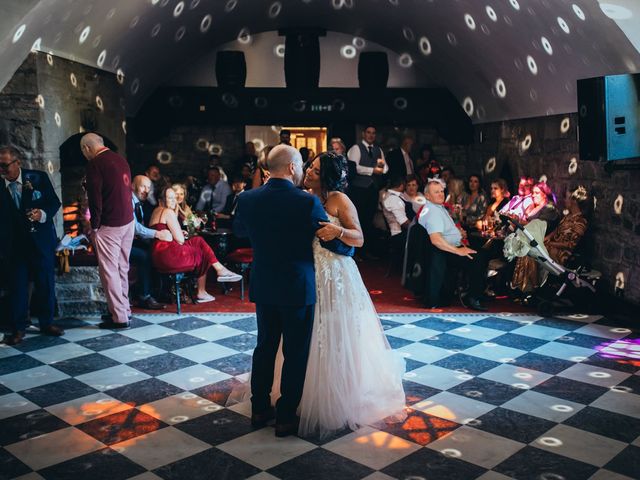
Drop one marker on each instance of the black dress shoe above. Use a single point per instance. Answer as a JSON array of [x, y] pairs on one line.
[[13, 339], [260, 420], [52, 330], [151, 303], [472, 303], [107, 317], [286, 429], [114, 325]]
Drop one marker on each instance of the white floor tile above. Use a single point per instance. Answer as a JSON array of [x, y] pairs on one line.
[[205, 352], [543, 406], [372, 448], [7, 351], [87, 408], [493, 476], [603, 474], [579, 445], [476, 446], [540, 331], [179, 408], [476, 332], [146, 476], [262, 476], [437, 377], [518, 377], [112, 377], [495, 352], [594, 375], [619, 402], [604, 331], [424, 353], [453, 407], [59, 353], [32, 377], [564, 351], [132, 352], [219, 318], [378, 476], [411, 332], [13, 404], [148, 332], [193, 377], [85, 333], [215, 332]]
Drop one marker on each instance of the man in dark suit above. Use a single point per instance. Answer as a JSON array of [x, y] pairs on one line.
[[28, 204], [400, 162], [281, 220]]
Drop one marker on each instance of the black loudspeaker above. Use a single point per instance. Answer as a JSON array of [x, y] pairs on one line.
[[231, 69], [609, 117], [302, 59], [373, 70]]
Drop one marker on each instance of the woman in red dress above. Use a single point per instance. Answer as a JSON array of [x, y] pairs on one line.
[[180, 255]]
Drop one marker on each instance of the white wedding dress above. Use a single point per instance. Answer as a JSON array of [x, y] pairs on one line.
[[354, 377]]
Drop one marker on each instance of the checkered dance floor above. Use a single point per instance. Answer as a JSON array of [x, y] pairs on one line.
[[489, 397]]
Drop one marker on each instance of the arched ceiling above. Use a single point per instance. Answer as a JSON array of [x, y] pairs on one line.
[[501, 58]]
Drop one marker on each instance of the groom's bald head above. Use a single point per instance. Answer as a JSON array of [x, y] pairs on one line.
[[284, 161]]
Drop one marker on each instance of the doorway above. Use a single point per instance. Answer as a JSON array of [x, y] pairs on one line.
[[313, 138]]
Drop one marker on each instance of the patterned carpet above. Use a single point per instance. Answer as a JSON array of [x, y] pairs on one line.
[[489, 397]]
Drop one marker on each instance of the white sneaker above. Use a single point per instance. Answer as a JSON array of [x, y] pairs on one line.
[[229, 277], [206, 298]]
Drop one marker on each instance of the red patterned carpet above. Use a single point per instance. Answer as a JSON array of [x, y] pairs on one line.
[[387, 294]]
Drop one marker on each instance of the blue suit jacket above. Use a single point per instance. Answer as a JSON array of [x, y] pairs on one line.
[[16, 239], [280, 221]]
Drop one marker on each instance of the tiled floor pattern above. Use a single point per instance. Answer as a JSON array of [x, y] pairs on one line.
[[489, 397]]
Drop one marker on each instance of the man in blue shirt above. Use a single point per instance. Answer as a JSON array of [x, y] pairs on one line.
[[214, 194], [449, 254]]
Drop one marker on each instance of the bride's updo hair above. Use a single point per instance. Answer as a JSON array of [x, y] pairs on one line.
[[333, 171]]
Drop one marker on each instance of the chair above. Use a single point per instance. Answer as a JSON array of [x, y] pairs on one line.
[[176, 279], [242, 258]]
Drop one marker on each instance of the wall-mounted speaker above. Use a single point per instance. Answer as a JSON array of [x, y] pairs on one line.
[[231, 69], [373, 70], [302, 57], [609, 117]]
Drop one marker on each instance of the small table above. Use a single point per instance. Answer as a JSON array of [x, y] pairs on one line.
[[218, 240]]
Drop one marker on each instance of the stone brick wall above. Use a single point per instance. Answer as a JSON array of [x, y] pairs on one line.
[[549, 147]]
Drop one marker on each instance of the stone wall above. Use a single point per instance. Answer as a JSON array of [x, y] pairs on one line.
[[50, 99], [548, 148]]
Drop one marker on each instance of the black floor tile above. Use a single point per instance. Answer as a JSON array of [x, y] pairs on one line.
[[486, 391], [621, 364], [412, 364], [571, 390], [534, 464], [608, 424], [106, 342], [450, 342], [248, 324], [542, 363], [561, 323], [85, 364], [10, 466], [145, 391], [121, 426], [186, 324], [633, 382], [136, 322], [58, 392], [232, 365], [429, 464], [420, 427], [498, 324], [4, 390], [580, 340], [416, 392], [514, 425], [17, 363], [397, 342], [161, 364], [218, 392], [627, 462], [207, 465], [521, 342], [36, 342], [105, 464], [439, 324], [241, 343], [389, 324], [68, 323], [175, 342], [320, 464], [467, 364], [28, 425], [217, 427]]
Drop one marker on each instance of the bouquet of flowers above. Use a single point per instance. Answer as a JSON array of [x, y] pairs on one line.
[[194, 223]]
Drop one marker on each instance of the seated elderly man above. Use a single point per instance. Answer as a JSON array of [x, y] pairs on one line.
[[449, 254]]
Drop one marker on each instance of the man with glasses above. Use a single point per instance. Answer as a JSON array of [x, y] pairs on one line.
[[28, 204]]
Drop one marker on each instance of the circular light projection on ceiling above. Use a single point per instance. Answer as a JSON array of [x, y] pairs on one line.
[[36, 45], [194, 4], [164, 3], [120, 76], [50, 59], [299, 106], [491, 13], [617, 205], [348, 51], [338, 105], [526, 143], [543, 179], [230, 5], [515, 4], [99, 103], [19, 32], [40, 101], [573, 166], [408, 34], [202, 144], [180, 33], [275, 9], [616, 12], [96, 41], [425, 46], [124, 126], [112, 12], [563, 25], [501, 88], [395, 3], [278, 50], [179, 8], [84, 35], [467, 105], [244, 36], [340, 4], [155, 30], [215, 149], [205, 23], [134, 22], [135, 86], [533, 66], [471, 23], [579, 13], [164, 157], [619, 285], [405, 60], [565, 124], [491, 165], [451, 38], [400, 103], [101, 58], [261, 102], [546, 45], [73, 79], [359, 42], [57, 119], [230, 100]]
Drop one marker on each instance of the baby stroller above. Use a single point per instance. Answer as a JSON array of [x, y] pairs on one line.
[[561, 289]]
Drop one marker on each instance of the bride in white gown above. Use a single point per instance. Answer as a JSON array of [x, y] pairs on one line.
[[353, 378]]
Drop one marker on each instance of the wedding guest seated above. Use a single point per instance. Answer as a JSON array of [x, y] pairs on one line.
[[449, 254], [214, 194], [412, 193], [261, 175], [543, 206], [519, 204], [398, 213], [184, 255], [560, 243], [225, 218], [246, 172], [183, 210], [453, 199], [474, 203], [499, 198]]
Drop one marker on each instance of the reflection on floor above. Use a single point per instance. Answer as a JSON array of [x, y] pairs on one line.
[[490, 397]]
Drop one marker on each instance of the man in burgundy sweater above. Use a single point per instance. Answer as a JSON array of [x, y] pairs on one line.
[[112, 224]]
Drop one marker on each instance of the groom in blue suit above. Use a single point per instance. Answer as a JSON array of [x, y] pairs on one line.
[[280, 221], [28, 241]]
